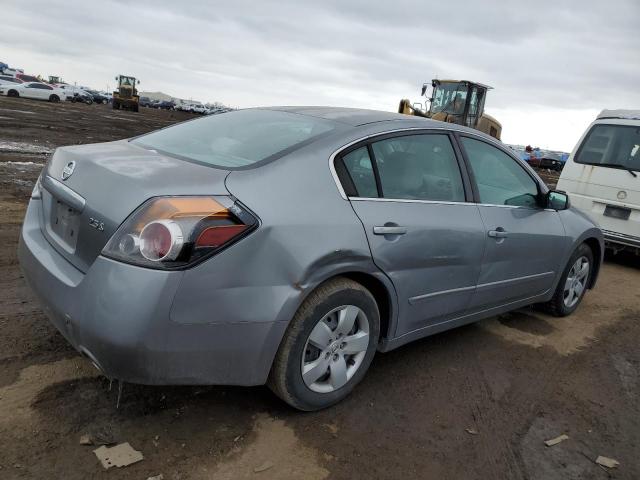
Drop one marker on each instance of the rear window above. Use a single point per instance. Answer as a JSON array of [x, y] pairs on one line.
[[616, 146], [237, 139]]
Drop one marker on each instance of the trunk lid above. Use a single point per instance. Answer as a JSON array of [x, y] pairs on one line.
[[108, 182]]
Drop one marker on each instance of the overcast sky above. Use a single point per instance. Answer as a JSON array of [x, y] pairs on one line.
[[553, 64]]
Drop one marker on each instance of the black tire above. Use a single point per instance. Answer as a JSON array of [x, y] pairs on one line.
[[54, 98], [13, 93], [286, 380], [135, 108], [557, 305], [116, 106]]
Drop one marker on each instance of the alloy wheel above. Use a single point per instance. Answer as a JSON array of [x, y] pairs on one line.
[[335, 349], [576, 282]]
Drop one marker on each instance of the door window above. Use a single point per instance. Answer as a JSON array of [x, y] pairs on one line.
[[358, 164], [419, 167], [500, 180]]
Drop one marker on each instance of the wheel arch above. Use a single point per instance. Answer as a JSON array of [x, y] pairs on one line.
[[594, 244], [380, 288]]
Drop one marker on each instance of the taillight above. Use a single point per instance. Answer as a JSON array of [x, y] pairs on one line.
[[174, 232]]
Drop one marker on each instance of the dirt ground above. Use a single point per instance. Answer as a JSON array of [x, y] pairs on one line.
[[473, 403]]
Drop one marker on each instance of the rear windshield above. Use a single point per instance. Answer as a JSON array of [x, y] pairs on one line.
[[237, 139], [616, 146]]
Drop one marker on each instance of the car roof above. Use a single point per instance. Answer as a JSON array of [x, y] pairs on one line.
[[351, 116], [622, 114]]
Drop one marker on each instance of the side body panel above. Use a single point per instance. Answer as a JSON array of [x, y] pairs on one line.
[[525, 262], [435, 264]]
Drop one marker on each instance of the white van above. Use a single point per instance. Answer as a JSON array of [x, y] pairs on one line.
[[602, 177]]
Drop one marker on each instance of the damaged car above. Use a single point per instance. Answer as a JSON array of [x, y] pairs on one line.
[[287, 246]]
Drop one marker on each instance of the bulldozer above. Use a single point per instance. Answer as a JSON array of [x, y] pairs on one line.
[[126, 96], [456, 101]]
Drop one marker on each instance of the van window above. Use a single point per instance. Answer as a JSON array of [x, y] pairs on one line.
[[616, 146]]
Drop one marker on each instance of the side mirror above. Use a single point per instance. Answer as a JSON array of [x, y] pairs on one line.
[[115, 78], [557, 200]]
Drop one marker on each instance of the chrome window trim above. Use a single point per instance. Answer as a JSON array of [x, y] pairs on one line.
[[408, 200], [338, 151], [446, 129]]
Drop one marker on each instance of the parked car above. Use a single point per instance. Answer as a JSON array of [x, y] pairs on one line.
[[27, 78], [98, 97], [72, 92], [145, 102], [9, 80], [603, 177], [201, 109], [550, 161], [231, 249], [165, 105], [34, 90]]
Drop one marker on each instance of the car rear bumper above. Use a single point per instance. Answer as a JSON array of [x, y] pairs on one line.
[[119, 316], [621, 239]]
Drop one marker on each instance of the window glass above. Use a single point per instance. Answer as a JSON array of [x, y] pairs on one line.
[[237, 139], [419, 167], [358, 164], [615, 146], [500, 180]]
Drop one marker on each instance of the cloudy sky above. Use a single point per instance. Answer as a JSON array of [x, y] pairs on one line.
[[553, 64]]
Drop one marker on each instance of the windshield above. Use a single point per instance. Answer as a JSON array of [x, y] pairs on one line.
[[127, 81], [237, 139], [449, 98], [616, 146]]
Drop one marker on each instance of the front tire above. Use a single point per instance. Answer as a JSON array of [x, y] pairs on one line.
[[328, 346], [54, 98], [573, 284], [13, 93]]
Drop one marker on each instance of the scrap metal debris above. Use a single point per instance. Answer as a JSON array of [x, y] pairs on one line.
[[557, 440], [121, 455], [156, 477], [607, 462], [265, 466], [471, 431]]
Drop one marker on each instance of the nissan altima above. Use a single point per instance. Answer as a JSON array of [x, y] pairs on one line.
[[288, 245]]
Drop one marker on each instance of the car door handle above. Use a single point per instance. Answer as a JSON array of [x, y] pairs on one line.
[[498, 233], [389, 230]]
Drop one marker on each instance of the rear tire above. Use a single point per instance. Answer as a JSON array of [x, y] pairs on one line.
[[332, 339], [13, 93], [573, 284]]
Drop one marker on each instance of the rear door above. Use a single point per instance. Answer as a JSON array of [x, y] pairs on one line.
[[409, 192], [524, 242]]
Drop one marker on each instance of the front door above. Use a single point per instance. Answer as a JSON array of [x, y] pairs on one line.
[[421, 230], [524, 242]]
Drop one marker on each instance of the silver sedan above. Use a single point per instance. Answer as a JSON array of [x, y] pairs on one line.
[[288, 245]]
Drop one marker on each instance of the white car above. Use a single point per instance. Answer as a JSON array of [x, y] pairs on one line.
[[71, 91], [35, 90], [602, 177], [199, 109], [9, 80]]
